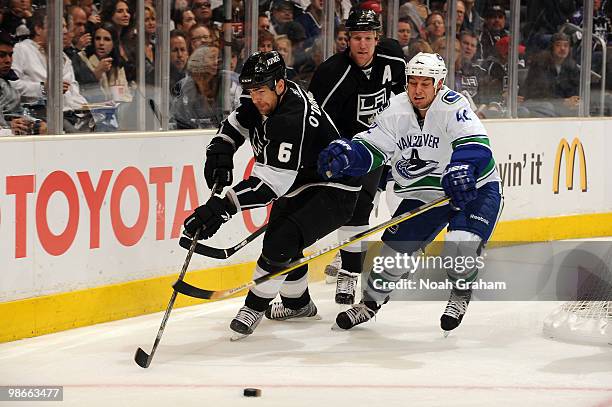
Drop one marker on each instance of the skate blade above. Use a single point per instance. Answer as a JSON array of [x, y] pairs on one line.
[[446, 333], [300, 319], [236, 337], [335, 327]]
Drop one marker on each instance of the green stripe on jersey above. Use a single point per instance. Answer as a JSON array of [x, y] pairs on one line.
[[378, 157], [471, 139], [429, 182], [487, 170]]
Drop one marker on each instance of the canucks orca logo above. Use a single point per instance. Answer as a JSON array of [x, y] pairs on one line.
[[415, 167], [369, 105]]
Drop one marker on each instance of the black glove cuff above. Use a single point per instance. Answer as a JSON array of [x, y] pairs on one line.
[[220, 153]]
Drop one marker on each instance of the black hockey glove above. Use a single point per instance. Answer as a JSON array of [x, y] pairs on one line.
[[210, 217], [459, 183], [219, 164]]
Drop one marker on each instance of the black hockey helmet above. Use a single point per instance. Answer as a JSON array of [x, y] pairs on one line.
[[362, 20], [262, 68]]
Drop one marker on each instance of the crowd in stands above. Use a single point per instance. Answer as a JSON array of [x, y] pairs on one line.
[[100, 71]]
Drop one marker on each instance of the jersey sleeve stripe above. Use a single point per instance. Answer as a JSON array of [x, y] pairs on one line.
[[278, 180], [479, 139], [233, 121], [487, 170], [335, 87], [378, 157]]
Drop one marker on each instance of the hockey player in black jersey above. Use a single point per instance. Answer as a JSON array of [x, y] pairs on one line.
[[351, 87], [286, 129]]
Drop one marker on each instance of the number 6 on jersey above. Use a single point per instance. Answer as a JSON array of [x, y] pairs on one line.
[[284, 152]]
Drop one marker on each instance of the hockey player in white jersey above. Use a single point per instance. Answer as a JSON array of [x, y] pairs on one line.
[[435, 145]]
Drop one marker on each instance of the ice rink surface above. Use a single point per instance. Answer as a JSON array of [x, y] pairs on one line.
[[498, 356]]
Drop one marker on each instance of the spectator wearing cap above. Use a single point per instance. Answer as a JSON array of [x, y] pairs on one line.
[[495, 21], [553, 81], [9, 97], [472, 21]]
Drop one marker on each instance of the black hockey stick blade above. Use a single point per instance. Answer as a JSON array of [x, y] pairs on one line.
[[142, 358], [215, 253], [192, 291], [188, 289]]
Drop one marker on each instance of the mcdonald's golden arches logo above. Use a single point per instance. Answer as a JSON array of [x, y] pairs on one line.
[[570, 151]]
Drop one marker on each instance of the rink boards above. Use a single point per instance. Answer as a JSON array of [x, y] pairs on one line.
[[89, 225]]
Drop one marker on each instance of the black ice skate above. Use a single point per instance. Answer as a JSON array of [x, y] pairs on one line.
[[245, 322], [357, 314], [278, 312], [345, 287], [455, 310]]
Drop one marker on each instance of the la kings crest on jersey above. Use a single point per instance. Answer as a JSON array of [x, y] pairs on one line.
[[418, 156], [369, 104], [352, 96]]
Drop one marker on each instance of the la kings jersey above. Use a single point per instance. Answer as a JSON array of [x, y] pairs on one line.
[[286, 146], [352, 95], [419, 156]]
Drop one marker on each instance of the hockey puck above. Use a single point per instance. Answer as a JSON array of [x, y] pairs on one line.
[[249, 392]]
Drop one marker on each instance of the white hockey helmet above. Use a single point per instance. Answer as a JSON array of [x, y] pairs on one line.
[[428, 65]]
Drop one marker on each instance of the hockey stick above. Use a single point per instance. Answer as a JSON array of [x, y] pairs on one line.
[[215, 253], [192, 291], [141, 357]]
